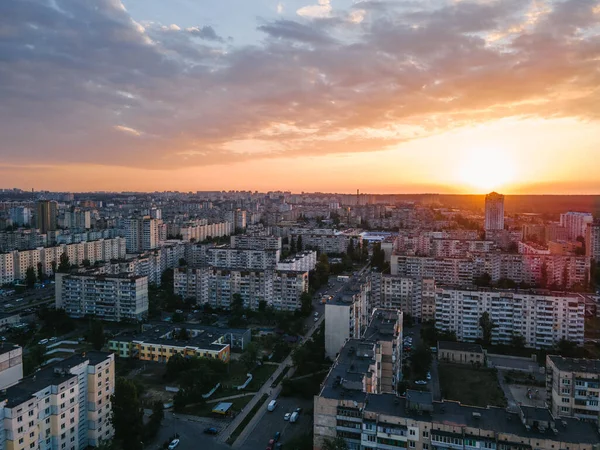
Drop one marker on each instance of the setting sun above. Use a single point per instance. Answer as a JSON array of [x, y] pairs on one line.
[[487, 169]]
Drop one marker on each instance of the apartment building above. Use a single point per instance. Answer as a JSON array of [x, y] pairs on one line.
[[45, 217], [573, 387], [108, 297], [255, 242], [199, 231], [11, 364], [592, 240], [64, 406], [236, 258], [304, 261], [494, 212], [281, 289], [14, 265], [347, 314], [459, 248], [575, 223], [559, 270], [328, 243], [159, 343], [541, 317], [22, 240], [142, 234]]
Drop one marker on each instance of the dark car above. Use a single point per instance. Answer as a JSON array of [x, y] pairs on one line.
[[277, 436], [211, 430], [279, 446]]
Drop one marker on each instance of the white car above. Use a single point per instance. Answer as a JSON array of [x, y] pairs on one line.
[[174, 443], [316, 319], [421, 382], [287, 416]]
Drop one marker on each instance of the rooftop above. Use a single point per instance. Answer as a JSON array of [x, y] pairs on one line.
[[460, 346], [6, 347], [576, 364], [383, 325]]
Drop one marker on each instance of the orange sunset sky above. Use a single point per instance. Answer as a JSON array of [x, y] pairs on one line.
[[441, 96]]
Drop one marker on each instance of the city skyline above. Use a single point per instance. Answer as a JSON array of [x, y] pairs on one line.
[[304, 95]]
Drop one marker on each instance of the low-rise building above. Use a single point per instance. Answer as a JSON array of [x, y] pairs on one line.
[[573, 387], [159, 342], [11, 364], [66, 405], [460, 353], [9, 319]]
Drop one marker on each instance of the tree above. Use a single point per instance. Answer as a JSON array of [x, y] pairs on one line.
[[182, 262], [421, 361], [127, 415], [517, 340], [262, 305], [306, 304], [40, 272], [299, 245], [486, 325], [237, 303], [53, 264], [544, 275], [182, 334], [350, 248], [153, 425], [483, 280], [30, 277], [97, 335], [250, 355], [86, 263], [64, 265], [292, 245], [339, 443]]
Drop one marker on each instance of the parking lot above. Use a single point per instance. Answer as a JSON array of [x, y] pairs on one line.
[[191, 433], [273, 422]]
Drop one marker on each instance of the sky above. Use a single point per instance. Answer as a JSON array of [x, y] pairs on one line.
[[389, 96]]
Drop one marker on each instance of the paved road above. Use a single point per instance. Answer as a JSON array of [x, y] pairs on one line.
[[265, 389], [272, 422], [191, 433], [434, 384]]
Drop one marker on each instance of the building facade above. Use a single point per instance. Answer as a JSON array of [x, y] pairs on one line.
[[575, 223], [46, 215], [64, 406], [107, 297], [494, 212], [592, 240], [541, 318]]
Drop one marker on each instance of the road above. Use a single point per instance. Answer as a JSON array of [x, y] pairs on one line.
[[191, 433], [265, 389], [272, 422]]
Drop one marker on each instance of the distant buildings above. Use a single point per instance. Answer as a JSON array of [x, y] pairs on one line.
[[46, 215], [142, 234], [575, 223], [107, 297], [494, 212], [542, 319], [573, 387], [21, 216], [303, 261], [66, 405]]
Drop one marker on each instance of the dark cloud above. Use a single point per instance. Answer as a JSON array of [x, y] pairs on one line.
[[83, 82]]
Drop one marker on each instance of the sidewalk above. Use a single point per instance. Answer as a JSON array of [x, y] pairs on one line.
[[222, 399]]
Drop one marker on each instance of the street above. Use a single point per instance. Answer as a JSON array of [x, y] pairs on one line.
[[191, 433]]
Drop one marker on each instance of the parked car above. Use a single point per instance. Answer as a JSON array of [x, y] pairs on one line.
[[287, 416], [272, 405], [53, 338], [420, 382], [277, 436], [174, 443], [316, 319], [43, 342], [279, 446], [211, 430], [298, 410], [429, 375]]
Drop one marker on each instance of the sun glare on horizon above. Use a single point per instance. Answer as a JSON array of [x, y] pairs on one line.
[[486, 170]]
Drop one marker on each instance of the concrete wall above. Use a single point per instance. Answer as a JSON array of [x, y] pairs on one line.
[[337, 328]]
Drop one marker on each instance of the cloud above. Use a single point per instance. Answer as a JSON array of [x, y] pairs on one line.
[[83, 82], [280, 8], [321, 9]]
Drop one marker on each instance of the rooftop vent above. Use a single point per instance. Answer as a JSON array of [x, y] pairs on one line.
[[476, 415]]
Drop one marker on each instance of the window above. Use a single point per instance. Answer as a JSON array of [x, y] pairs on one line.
[[62, 436], [62, 395], [20, 430], [20, 419], [412, 432], [30, 413], [47, 400], [21, 441], [72, 390], [48, 420], [411, 444], [32, 434], [32, 445], [566, 381], [62, 427], [425, 434], [564, 400], [425, 446], [31, 423], [62, 416], [63, 445]]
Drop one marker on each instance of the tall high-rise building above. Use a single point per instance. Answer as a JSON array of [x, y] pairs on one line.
[[494, 212], [575, 223], [46, 216], [142, 234], [20, 215], [592, 240]]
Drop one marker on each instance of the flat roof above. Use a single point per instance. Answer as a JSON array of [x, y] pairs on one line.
[[575, 364], [460, 346], [6, 347]]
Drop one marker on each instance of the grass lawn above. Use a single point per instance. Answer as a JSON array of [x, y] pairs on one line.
[[205, 410], [470, 386], [259, 376]]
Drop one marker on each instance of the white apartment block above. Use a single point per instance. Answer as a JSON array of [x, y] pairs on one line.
[[575, 223], [235, 258], [216, 286], [14, 265], [256, 242], [11, 365], [542, 319], [303, 261], [347, 315], [142, 234], [199, 233], [526, 268], [328, 243], [64, 406], [494, 212], [459, 248], [573, 387], [108, 297], [592, 241]]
